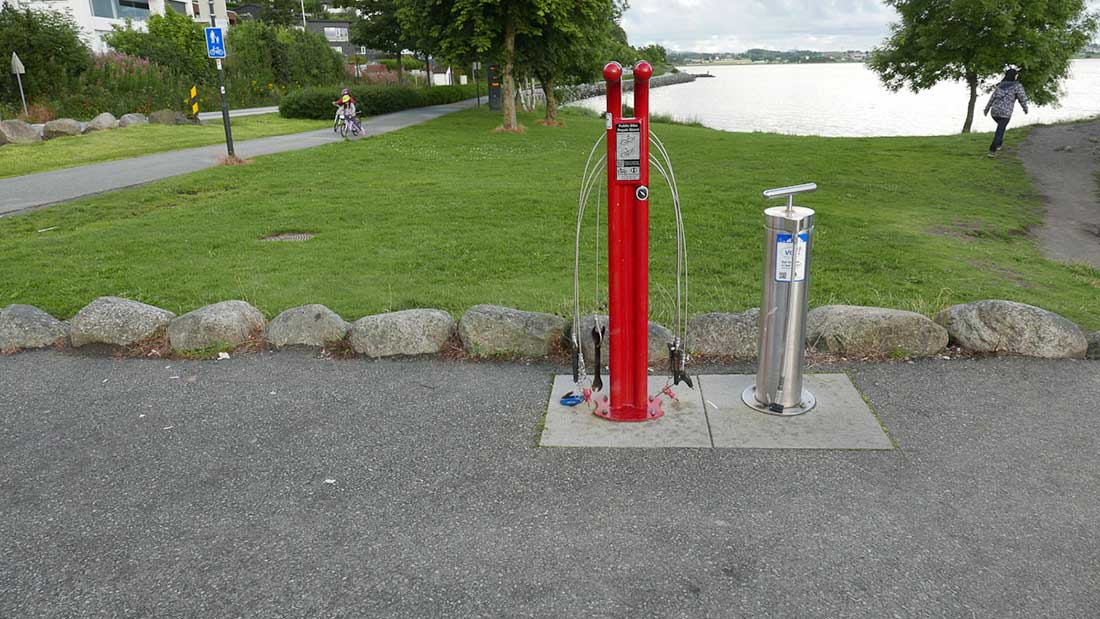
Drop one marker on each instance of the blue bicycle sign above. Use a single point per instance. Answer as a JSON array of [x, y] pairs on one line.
[[215, 43]]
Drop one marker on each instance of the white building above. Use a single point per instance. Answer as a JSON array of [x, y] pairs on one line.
[[96, 17]]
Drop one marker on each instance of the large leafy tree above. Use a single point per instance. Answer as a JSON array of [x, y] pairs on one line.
[[378, 28], [973, 41], [572, 45], [465, 29]]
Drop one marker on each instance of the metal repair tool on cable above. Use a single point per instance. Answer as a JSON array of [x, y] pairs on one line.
[[788, 243]]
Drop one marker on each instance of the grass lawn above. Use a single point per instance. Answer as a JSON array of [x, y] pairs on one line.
[[141, 140], [449, 214]]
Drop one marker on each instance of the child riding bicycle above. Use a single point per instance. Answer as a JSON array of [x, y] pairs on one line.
[[345, 108]]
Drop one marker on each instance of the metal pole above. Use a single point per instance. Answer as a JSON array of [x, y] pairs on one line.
[[221, 87], [19, 79], [628, 247], [303, 14], [477, 86], [639, 262], [225, 112]]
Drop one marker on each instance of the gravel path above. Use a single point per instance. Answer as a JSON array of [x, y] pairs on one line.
[[1064, 163]]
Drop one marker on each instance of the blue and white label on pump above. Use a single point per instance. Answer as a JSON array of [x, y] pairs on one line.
[[215, 43], [785, 260]]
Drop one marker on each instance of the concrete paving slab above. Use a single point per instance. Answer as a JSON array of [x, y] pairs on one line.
[[841, 419], [684, 423]]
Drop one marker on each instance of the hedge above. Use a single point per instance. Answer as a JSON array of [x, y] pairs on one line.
[[316, 103]]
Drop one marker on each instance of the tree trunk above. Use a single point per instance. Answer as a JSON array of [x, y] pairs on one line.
[[508, 96], [551, 100], [972, 82], [400, 67]]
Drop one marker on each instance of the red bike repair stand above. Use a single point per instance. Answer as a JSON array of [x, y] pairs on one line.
[[628, 249]]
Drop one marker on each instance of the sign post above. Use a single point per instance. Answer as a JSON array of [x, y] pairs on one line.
[[215, 48], [477, 84], [628, 247], [18, 69]]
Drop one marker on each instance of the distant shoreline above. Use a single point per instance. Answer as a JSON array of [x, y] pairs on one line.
[[735, 63]]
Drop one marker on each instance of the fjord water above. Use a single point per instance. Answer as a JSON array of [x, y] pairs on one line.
[[845, 100]]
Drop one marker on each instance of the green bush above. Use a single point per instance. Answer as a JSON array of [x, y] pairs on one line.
[[48, 43], [173, 40], [406, 62], [255, 52], [316, 103], [122, 84], [310, 60]]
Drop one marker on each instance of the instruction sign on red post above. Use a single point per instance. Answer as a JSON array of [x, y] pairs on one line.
[[628, 151]]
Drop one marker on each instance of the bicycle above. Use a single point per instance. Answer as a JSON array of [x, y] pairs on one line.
[[343, 124]]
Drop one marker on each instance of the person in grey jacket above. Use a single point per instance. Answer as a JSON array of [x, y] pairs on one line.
[[1002, 103]]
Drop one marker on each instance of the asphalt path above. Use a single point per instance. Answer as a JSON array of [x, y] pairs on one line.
[[285, 485], [1064, 163], [22, 193]]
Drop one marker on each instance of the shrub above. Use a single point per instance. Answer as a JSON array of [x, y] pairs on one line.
[[408, 63], [121, 84], [48, 43], [372, 100], [256, 52], [310, 61], [173, 40]]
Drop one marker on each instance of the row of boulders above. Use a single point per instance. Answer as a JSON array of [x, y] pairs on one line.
[[19, 132], [490, 331], [980, 327]]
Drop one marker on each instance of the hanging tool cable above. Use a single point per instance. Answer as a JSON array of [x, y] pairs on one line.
[[588, 180], [677, 347], [599, 332], [682, 311]]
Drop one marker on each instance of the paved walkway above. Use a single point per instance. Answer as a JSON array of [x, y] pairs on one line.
[[251, 111], [282, 485], [23, 193], [1064, 162]]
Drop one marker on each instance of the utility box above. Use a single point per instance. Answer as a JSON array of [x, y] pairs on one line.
[[495, 97]]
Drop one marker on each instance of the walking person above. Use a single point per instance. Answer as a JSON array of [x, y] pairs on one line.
[[1002, 103]]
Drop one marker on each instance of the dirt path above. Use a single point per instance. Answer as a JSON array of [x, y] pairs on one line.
[[1064, 163]]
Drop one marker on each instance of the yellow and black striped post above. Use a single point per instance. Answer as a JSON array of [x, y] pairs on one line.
[[194, 101]]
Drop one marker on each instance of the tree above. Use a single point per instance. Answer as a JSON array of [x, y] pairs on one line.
[[378, 28], [466, 29], [48, 43], [654, 54], [572, 45], [973, 41], [282, 12]]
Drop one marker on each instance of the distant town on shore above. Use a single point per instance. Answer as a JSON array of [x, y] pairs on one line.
[[796, 56]]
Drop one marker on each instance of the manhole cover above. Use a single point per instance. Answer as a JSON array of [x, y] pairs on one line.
[[289, 236]]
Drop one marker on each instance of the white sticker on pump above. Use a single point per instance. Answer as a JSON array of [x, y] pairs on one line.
[[628, 151], [784, 252]]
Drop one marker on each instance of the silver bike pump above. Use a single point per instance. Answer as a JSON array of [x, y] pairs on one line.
[[788, 242]]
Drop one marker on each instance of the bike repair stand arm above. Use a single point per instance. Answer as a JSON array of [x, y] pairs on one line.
[[628, 246]]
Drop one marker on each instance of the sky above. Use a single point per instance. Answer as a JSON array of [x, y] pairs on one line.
[[737, 25]]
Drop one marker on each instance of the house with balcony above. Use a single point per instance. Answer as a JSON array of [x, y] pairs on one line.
[[338, 34], [96, 17]]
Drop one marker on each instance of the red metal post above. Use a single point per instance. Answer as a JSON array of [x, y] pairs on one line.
[[628, 246]]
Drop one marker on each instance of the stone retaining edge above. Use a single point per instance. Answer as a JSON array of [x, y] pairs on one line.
[[8, 328]]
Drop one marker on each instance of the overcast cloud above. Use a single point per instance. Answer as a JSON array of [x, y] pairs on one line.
[[737, 25]]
